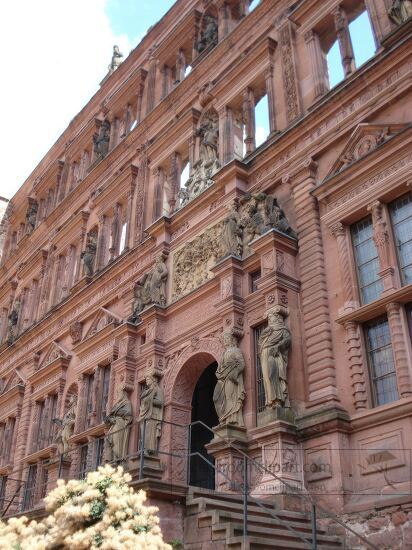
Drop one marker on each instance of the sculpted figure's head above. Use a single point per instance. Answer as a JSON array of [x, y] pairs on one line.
[[229, 339], [276, 315]]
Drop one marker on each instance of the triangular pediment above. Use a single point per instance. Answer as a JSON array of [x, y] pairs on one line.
[[13, 380], [54, 351], [364, 139], [102, 318]]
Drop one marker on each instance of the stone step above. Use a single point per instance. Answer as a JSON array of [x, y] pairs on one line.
[[257, 543], [202, 504], [227, 531], [213, 517]]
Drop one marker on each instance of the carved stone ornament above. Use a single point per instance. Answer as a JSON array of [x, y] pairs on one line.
[[208, 162], [117, 59], [247, 219], [118, 422], [151, 412], [274, 344], [150, 289], [400, 11], [76, 332], [229, 392]]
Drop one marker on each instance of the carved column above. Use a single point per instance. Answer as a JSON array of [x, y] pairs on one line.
[[249, 119], [318, 64], [158, 176], [348, 284], [45, 286], [151, 85], [140, 198], [129, 209], [400, 353], [101, 242], [388, 270], [226, 135], [344, 39], [356, 365], [115, 232], [79, 424], [270, 90], [314, 294], [290, 81], [180, 66], [23, 436]]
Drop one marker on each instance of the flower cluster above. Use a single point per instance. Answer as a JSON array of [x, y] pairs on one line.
[[99, 513]]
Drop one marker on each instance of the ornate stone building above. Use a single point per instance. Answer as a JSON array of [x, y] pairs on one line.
[[163, 275]]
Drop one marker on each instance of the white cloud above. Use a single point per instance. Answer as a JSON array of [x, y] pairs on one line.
[[54, 53]]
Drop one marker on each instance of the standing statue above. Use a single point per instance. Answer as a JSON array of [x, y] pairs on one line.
[[229, 392], [66, 426], [151, 412], [400, 11], [209, 134], [31, 216], [13, 319], [101, 140], [116, 59], [157, 281], [209, 34], [232, 233], [118, 422], [89, 254], [274, 344]]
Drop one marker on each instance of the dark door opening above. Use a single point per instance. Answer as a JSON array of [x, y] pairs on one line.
[[203, 409]]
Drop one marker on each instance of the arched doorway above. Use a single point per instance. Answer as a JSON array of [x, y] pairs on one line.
[[203, 410]]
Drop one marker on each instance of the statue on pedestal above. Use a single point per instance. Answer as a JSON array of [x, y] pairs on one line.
[[101, 140], [229, 392], [31, 216], [118, 422], [151, 413], [274, 344], [150, 289], [89, 254], [400, 11], [117, 59], [13, 319], [232, 233], [208, 35], [66, 426]]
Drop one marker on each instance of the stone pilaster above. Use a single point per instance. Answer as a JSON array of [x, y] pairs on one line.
[[378, 15], [315, 306], [270, 90], [290, 81], [339, 231], [356, 365], [344, 39], [249, 119], [318, 64], [151, 85], [400, 353]]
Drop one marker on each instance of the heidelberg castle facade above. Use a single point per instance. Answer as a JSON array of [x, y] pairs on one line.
[[117, 268]]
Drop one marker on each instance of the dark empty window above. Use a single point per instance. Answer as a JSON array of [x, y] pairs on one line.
[[381, 361], [84, 452], [401, 215], [367, 260], [28, 496]]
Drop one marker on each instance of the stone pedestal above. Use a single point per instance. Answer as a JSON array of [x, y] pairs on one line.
[[152, 467], [281, 456], [229, 462]]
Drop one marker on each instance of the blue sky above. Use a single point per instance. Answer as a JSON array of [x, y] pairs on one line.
[[55, 68]]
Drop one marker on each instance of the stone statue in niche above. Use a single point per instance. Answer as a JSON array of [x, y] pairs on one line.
[[12, 321], [400, 11], [232, 232], [151, 413], [31, 216], [89, 254], [101, 140], [150, 289], [274, 344], [208, 35], [117, 59], [66, 426], [229, 392], [208, 163], [118, 422]]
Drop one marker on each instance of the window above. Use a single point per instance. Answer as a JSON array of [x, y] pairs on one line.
[[381, 361], [97, 394], [44, 479], [254, 4], [367, 261], [104, 395], [401, 215], [84, 451], [45, 426], [260, 390], [29, 490], [123, 238], [99, 448], [89, 399], [254, 278], [262, 120]]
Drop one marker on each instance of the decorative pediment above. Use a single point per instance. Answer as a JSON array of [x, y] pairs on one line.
[[13, 380], [53, 352], [364, 139], [102, 319]]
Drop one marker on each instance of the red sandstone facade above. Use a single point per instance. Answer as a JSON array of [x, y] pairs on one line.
[[339, 163]]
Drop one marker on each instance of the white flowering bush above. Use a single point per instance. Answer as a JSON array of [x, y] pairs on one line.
[[99, 513]]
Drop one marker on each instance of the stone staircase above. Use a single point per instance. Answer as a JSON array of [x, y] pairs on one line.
[[215, 521]]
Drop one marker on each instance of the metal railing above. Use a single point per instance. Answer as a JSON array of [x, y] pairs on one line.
[[22, 493]]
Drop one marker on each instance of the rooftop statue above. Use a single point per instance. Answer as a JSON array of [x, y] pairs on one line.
[[400, 11], [117, 59]]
